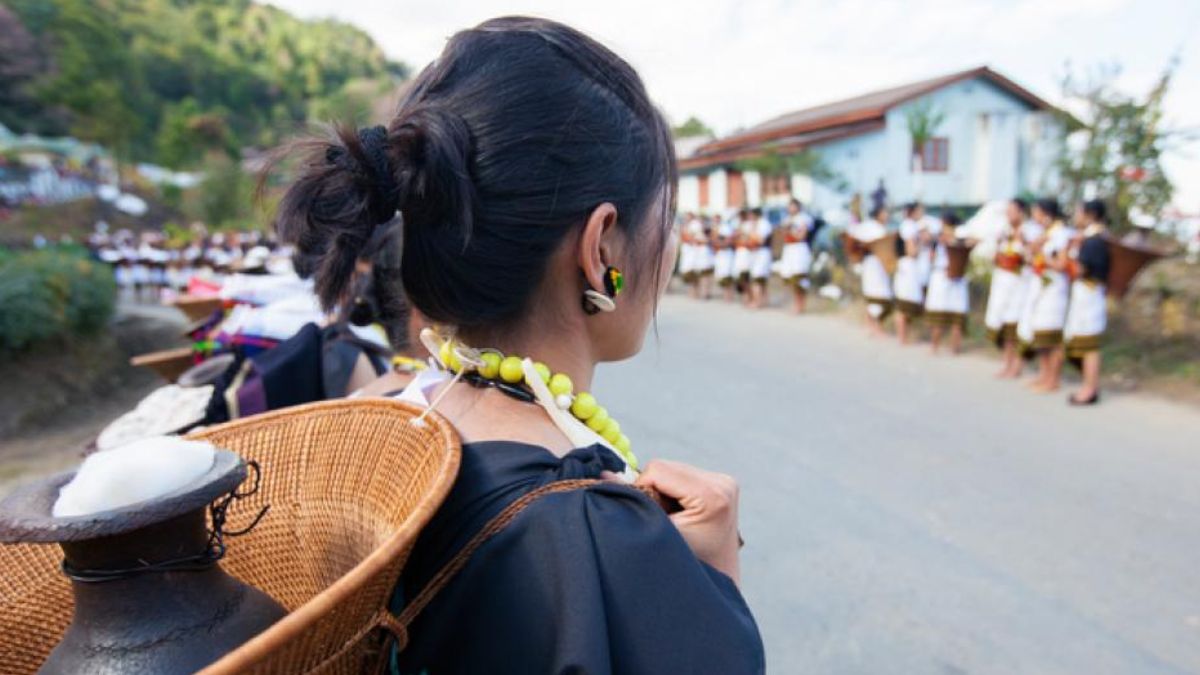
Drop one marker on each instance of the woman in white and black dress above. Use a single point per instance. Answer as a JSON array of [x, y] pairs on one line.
[[723, 237], [909, 282], [876, 284], [1041, 327], [947, 300], [1087, 316], [795, 260], [535, 203], [1010, 285], [758, 240]]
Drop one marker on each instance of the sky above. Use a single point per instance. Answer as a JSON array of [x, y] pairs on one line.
[[734, 63]]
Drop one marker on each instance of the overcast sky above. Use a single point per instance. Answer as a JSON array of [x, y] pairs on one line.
[[733, 63]]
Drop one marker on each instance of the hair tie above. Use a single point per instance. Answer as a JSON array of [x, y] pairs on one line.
[[384, 198]]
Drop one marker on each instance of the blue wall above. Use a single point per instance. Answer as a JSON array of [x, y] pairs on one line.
[[1014, 153]]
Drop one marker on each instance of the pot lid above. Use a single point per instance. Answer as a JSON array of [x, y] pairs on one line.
[[25, 515]]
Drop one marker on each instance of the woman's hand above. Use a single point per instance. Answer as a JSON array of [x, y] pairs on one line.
[[708, 519]]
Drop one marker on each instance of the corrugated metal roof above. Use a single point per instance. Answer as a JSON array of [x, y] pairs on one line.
[[853, 115]]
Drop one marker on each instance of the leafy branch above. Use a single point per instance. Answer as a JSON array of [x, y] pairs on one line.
[[806, 162], [922, 120]]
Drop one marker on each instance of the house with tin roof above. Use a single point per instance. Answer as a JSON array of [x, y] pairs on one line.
[[993, 139]]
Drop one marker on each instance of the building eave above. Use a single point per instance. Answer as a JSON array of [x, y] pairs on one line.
[[871, 112], [783, 146]]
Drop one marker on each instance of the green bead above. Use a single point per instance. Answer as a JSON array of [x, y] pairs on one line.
[[543, 370], [584, 406], [448, 357], [612, 431], [511, 370], [622, 444], [598, 420], [491, 365], [561, 384]]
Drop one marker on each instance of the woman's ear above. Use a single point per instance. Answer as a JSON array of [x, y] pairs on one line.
[[595, 249]]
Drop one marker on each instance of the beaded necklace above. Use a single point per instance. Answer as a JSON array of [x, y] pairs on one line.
[[491, 367]]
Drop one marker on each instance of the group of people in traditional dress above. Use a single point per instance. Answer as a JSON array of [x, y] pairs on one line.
[[1047, 297], [736, 254], [147, 265]]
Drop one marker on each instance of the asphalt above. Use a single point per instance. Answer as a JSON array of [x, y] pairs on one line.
[[905, 513]]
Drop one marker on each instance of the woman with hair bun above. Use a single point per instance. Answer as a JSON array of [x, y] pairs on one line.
[[531, 180]]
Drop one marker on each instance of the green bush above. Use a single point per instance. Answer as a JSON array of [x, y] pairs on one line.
[[52, 294]]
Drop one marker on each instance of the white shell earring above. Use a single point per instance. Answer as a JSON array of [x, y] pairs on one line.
[[599, 300]]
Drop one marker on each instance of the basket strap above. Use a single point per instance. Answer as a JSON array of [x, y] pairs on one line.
[[399, 625]]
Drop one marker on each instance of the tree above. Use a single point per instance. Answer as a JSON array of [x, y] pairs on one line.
[[922, 120], [1114, 145], [226, 194], [692, 127], [20, 64], [807, 162]]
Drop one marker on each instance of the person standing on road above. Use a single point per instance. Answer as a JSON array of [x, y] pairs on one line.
[[532, 183], [796, 258], [702, 262], [724, 235], [909, 286], [948, 300], [1087, 315], [1041, 328], [758, 237], [1009, 286], [876, 284], [743, 253]]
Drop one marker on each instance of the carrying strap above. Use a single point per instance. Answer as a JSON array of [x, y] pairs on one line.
[[398, 626]]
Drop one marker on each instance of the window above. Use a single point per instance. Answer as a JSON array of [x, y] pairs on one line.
[[935, 156]]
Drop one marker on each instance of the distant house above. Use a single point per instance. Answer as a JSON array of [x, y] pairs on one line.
[[996, 139]]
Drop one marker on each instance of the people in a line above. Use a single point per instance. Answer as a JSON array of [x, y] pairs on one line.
[[561, 262], [909, 284], [947, 300], [876, 284], [796, 258], [1046, 297], [1041, 326], [1087, 315]]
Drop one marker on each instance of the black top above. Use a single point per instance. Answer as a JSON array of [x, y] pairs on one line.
[[596, 580], [1094, 258]]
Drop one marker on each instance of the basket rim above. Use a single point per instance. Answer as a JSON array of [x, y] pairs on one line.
[[295, 622]]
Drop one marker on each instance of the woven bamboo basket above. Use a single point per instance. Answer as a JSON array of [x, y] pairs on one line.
[[855, 249], [168, 364], [350, 484], [1126, 260], [958, 255], [884, 248]]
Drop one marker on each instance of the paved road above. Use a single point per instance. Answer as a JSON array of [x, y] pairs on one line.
[[908, 514]]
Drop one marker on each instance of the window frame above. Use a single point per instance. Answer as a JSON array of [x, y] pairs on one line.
[[935, 155]]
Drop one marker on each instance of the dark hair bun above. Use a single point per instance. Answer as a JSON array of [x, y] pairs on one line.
[[517, 132]]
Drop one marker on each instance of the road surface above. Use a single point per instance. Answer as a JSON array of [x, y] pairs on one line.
[[909, 514]]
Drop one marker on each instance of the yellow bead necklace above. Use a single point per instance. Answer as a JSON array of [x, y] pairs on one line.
[[494, 366]]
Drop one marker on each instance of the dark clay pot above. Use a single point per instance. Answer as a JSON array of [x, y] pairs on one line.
[[160, 622]]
